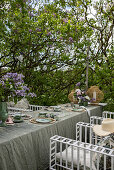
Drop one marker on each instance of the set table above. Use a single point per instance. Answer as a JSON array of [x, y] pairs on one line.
[[25, 146]]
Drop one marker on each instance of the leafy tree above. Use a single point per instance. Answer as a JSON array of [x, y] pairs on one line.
[[54, 43]]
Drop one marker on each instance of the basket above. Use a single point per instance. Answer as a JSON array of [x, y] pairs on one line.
[[71, 97], [95, 92]]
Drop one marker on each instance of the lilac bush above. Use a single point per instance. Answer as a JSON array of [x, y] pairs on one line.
[[12, 87]]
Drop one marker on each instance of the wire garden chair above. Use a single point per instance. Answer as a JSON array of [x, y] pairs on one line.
[[84, 153]]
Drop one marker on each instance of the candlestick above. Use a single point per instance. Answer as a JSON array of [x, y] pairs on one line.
[[94, 95]]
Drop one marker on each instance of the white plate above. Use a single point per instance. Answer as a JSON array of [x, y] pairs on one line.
[[77, 110], [43, 120], [18, 114]]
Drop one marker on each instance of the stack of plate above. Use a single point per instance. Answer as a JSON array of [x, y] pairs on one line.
[[77, 109], [43, 120]]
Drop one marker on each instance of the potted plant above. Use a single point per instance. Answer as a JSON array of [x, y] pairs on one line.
[[12, 88]]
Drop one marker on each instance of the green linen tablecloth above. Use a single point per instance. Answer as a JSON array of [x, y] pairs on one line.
[[25, 146]]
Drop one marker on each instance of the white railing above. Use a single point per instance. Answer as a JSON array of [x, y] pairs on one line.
[[70, 154]]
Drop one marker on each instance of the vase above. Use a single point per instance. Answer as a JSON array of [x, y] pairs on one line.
[[3, 113], [85, 103]]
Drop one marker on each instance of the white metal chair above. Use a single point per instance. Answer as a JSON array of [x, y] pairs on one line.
[[83, 152], [71, 154], [84, 131], [108, 114], [30, 108], [98, 120], [15, 109], [35, 107]]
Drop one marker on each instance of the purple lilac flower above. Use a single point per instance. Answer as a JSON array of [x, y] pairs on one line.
[[25, 88], [16, 81], [38, 29], [5, 77], [30, 30], [65, 20], [19, 78], [54, 14], [58, 32], [20, 10], [61, 38], [70, 39], [81, 97], [49, 45], [78, 84], [13, 94], [91, 100], [2, 82], [18, 84], [32, 94], [31, 15], [49, 33], [45, 10], [14, 74], [67, 11], [10, 75], [78, 92], [84, 99], [20, 93]]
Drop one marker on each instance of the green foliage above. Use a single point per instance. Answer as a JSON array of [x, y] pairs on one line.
[[48, 43]]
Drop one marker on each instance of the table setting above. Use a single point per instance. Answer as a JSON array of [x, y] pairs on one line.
[[52, 114], [17, 117], [47, 115]]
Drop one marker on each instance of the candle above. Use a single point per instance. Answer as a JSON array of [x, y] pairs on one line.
[[94, 95]]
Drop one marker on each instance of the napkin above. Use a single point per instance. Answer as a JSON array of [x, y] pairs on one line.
[[87, 110]]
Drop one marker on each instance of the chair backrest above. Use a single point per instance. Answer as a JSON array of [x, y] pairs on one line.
[[35, 107], [70, 154], [108, 114], [84, 133], [15, 109], [98, 120]]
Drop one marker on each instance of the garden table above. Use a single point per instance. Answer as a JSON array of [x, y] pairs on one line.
[[25, 146]]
